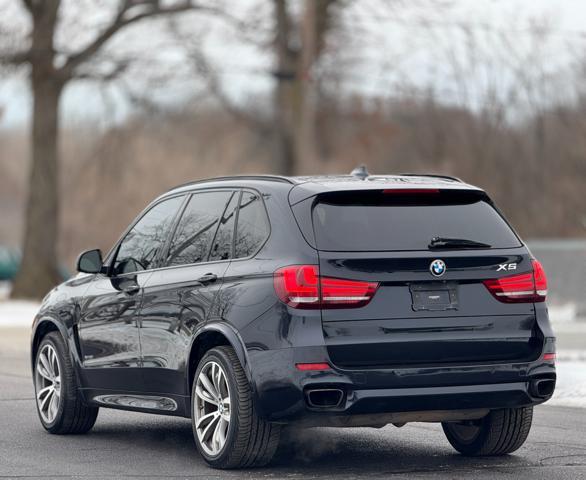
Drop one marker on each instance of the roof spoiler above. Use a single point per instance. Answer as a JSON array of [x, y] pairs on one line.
[[362, 173], [432, 175]]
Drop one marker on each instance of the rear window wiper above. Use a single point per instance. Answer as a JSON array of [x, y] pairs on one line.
[[443, 242]]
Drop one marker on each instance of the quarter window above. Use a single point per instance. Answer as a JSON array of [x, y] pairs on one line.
[[193, 236], [141, 245], [222, 244], [253, 225]]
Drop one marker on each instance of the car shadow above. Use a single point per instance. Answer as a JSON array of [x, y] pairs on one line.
[[368, 451], [323, 452]]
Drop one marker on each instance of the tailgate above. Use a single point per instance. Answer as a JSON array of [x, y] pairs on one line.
[[431, 306], [415, 319]]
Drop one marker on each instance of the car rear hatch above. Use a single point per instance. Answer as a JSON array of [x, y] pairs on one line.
[[432, 302]]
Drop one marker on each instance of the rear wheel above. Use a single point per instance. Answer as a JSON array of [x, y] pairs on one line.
[[59, 404], [227, 430], [500, 432]]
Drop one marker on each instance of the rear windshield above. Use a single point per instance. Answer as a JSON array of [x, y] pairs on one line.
[[390, 220]]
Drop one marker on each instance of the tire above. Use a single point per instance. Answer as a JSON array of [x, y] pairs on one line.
[[500, 432], [69, 414], [248, 440]]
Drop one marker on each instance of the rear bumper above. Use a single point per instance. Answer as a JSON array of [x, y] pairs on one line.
[[393, 395], [460, 397], [428, 404]]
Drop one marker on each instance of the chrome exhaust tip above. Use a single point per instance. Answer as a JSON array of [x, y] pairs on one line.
[[542, 387], [322, 398]]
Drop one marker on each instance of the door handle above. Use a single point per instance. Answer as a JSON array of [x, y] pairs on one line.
[[131, 289], [208, 278]]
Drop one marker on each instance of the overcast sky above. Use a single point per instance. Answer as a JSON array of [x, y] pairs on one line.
[[566, 18]]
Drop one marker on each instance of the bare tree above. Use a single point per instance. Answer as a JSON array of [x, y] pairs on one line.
[[297, 43], [50, 71]]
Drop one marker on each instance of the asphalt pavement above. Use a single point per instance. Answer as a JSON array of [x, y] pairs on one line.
[[133, 445]]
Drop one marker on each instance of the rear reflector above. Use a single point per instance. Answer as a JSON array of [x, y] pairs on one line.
[[307, 367], [300, 286], [549, 356], [521, 288]]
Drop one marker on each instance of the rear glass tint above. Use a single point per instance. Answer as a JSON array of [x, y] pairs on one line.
[[386, 220]]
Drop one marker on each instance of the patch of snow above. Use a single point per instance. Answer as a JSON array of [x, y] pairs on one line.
[[570, 390], [571, 356], [565, 313], [5, 288], [577, 330], [16, 313]]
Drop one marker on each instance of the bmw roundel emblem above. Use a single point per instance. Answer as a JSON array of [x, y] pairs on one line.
[[437, 268]]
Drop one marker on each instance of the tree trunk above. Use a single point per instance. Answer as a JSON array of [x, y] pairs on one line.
[[305, 132], [284, 95], [39, 269], [297, 50]]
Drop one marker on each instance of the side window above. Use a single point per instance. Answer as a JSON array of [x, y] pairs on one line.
[[194, 233], [222, 244], [253, 225], [141, 245]]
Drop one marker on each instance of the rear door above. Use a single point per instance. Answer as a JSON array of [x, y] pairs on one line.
[[431, 306]]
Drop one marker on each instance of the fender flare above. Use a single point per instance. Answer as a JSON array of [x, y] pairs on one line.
[[67, 336], [235, 341], [37, 325]]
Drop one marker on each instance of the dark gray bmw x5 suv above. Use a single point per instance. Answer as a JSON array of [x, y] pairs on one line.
[[250, 303]]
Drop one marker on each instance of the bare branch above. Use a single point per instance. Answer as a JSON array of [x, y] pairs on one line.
[[117, 69], [14, 58], [28, 4], [129, 13], [213, 85]]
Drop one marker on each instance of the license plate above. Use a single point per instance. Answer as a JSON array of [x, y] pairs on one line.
[[434, 297]]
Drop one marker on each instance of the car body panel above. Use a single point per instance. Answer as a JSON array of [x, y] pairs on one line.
[[176, 304], [391, 331], [109, 331]]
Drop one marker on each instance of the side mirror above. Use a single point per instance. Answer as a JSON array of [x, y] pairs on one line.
[[90, 262]]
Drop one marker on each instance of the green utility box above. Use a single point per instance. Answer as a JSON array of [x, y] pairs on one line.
[[9, 263]]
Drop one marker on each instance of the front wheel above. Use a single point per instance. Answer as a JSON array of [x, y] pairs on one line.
[[60, 406], [227, 430], [500, 432]]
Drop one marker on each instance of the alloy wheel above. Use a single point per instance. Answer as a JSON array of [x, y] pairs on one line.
[[211, 407], [48, 383]]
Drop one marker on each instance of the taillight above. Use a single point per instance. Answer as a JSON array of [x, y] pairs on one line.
[[346, 293], [524, 287], [540, 280], [300, 286]]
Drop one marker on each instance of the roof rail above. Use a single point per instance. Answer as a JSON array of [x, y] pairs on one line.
[[270, 178], [433, 175]]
